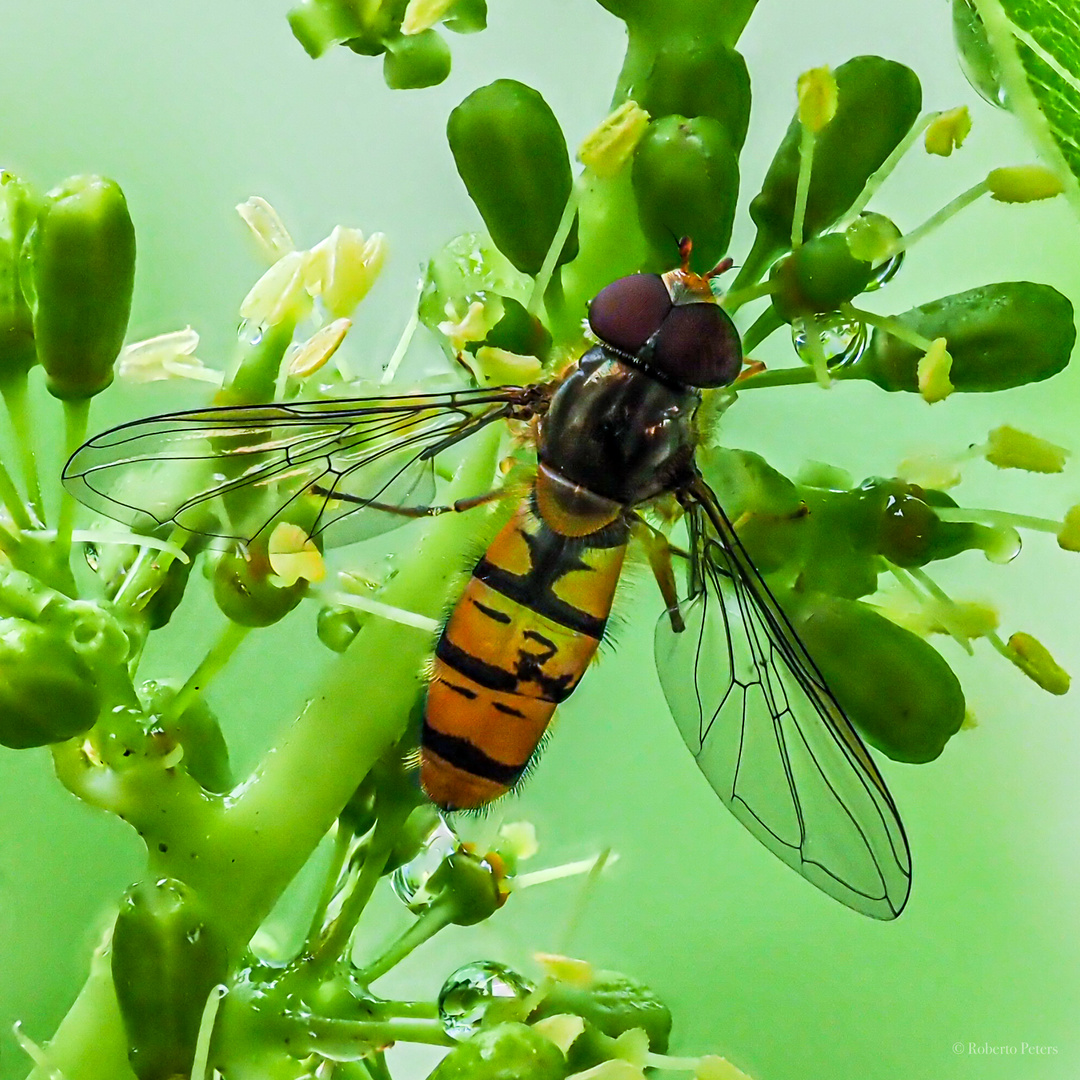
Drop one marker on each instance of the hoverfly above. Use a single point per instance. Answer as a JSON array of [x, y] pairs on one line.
[[615, 432]]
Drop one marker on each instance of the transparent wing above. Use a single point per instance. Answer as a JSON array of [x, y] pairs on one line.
[[339, 468], [767, 733]]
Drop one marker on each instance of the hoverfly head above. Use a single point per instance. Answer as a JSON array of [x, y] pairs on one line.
[[670, 323]]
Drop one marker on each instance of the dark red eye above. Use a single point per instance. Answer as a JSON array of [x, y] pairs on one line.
[[698, 345], [626, 313]]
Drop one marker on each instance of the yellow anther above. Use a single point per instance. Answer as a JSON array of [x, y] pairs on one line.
[[499, 367], [1008, 448], [1069, 535], [1035, 661], [609, 145], [293, 555], [166, 356], [633, 1046], [566, 969], [318, 349], [267, 228], [817, 95], [947, 131], [421, 15], [930, 471], [280, 293], [343, 267], [933, 372], [561, 1029], [718, 1068], [1023, 183], [472, 326]]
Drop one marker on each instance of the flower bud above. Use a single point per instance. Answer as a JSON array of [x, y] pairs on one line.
[[999, 336], [504, 1052], [470, 885], [166, 959], [19, 205], [878, 101], [819, 277], [78, 274], [510, 152], [695, 76], [413, 61], [686, 183], [894, 687], [246, 595], [48, 693]]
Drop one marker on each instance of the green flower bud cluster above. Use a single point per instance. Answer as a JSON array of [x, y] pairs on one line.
[[414, 53], [58, 659], [611, 1004]]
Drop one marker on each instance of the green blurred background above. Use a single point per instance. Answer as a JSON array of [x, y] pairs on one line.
[[193, 106]]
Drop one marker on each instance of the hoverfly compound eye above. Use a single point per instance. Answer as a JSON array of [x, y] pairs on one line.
[[628, 312], [698, 345]]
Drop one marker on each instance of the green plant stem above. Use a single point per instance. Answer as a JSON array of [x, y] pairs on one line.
[[789, 376], [343, 840], [76, 420], [335, 940], [12, 500], [17, 401], [219, 654], [339, 1036], [428, 924], [90, 1043]]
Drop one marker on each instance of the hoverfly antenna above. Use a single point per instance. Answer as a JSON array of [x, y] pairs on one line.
[[686, 245], [722, 267]]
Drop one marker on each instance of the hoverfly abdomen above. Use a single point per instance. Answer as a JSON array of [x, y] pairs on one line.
[[516, 645]]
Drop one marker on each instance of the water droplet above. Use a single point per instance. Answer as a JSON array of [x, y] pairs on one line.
[[842, 338], [977, 59], [474, 988], [249, 332], [92, 555], [889, 230], [409, 881]]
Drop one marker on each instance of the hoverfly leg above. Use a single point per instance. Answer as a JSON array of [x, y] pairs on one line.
[[659, 551]]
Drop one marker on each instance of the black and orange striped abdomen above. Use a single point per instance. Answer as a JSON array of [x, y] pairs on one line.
[[517, 643]]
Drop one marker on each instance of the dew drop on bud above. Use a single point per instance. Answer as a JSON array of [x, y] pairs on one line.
[[409, 881], [886, 271], [977, 59], [470, 991], [842, 339]]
